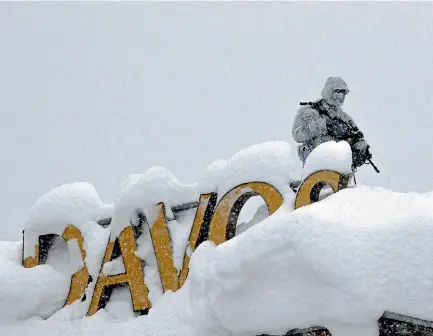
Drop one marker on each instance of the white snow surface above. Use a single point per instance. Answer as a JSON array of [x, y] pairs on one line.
[[358, 253], [72, 203], [339, 263], [75, 203], [272, 162], [330, 155], [28, 293], [144, 192]]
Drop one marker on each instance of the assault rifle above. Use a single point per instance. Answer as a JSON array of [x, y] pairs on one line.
[[353, 136]]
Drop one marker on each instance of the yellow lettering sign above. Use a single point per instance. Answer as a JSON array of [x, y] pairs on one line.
[[162, 244], [223, 224], [133, 276], [309, 190], [79, 279], [213, 221]]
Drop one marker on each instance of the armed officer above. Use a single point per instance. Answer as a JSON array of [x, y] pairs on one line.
[[324, 120]]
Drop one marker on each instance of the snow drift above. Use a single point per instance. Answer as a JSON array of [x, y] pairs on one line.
[[339, 263]]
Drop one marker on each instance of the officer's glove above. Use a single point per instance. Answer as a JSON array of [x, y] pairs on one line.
[[368, 155], [354, 136], [360, 153]]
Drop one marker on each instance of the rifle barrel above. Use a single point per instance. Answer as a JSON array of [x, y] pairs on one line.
[[374, 166]]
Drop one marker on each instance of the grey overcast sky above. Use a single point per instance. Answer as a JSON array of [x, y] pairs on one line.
[[95, 91]]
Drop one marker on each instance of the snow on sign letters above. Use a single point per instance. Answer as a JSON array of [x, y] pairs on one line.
[[102, 258]]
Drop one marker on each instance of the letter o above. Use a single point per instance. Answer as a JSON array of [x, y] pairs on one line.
[[309, 190], [224, 219]]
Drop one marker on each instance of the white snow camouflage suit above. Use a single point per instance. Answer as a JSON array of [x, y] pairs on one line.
[[310, 127]]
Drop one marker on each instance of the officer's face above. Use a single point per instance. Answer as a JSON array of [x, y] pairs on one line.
[[337, 97]]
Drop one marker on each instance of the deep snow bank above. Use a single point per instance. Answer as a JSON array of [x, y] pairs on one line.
[[340, 263], [28, 292]]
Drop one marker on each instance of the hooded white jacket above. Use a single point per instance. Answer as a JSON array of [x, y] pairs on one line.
[[309, 128]]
